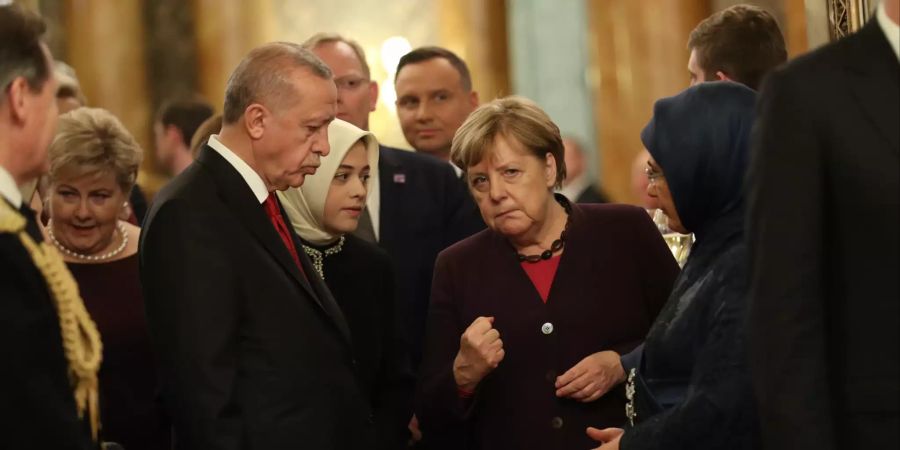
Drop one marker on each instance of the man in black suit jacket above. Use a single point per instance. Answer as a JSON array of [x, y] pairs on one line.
[[823, 232], [254, 351], [421, 207], [37, 405]]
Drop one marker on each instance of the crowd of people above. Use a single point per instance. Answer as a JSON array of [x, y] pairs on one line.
[[298, 284]]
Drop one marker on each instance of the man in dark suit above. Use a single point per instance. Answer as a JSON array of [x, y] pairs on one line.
[[37, 405], [176, 122], [421, 206], [823, 232], [579, 186], [253, 350]]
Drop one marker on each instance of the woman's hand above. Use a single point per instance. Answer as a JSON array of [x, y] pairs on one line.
[[594, 376], [608, 437], [480, 352]]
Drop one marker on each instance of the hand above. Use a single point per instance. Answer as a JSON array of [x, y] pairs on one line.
[[609, 437], [415, 433], [480, 352], [594, 376]]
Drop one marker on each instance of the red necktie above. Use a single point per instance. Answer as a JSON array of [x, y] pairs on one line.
[[274, 212]]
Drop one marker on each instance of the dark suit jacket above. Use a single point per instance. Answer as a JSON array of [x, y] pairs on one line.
[[592, 194], [425, 208], [252, 355], [614, 277], [37, 405], [825, 245]]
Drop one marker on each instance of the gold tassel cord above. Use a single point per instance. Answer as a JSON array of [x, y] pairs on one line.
[[80, 338]]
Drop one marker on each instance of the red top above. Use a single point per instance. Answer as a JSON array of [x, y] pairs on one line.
[[542, 274]]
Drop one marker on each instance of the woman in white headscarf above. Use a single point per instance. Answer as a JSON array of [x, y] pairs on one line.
[[325, 211]]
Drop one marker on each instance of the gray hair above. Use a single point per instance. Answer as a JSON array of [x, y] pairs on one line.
[[261, 77], [91, 140]]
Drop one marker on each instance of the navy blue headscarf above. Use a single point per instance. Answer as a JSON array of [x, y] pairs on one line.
[[700, 138]]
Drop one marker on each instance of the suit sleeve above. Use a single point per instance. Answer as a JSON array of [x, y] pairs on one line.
[[192, 307], [441, 411], [788, 346], [719, 399], [395, 379], [461, 214]]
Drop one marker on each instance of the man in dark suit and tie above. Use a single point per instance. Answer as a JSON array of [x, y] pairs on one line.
[[254, 352], [421, 207], [825, 241], [37, 404]]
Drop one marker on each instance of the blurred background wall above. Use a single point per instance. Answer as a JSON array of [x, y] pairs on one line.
[[596, 66]]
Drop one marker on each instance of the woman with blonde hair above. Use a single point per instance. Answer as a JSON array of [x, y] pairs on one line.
[[528, 318], [93, 167], [324, 213]]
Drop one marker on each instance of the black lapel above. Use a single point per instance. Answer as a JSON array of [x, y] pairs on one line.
[[323, 294], [240, 198], [874, 79], [392, 178]]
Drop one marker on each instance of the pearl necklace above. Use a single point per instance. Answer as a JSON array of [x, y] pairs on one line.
[[76, 255]]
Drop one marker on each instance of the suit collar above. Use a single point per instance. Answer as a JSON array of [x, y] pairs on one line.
[[874, 74], [242, 201], [392, 181], [253, 180]]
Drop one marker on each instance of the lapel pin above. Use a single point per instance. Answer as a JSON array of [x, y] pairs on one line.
[[400, 178]]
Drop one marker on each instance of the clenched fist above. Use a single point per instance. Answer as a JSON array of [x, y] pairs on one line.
[[480, 352]]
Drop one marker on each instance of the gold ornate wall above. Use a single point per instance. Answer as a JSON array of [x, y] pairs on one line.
[[638, 54]]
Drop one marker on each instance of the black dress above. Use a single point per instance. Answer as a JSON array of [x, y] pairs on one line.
[[131, 413], [361, 278], [693, 389]]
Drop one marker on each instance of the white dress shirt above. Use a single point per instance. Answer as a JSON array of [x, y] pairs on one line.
[[373, 206], [8, 188], [890, 28], [256, 183]]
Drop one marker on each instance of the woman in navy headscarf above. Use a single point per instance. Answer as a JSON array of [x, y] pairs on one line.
[[690, 388]]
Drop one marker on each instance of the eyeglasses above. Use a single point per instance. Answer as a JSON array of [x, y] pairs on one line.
[[653, 174]]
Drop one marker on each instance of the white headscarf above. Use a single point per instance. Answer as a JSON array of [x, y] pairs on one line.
[[305, 206]]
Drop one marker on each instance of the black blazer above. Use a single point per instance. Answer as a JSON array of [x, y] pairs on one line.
[[825, 245], [37, 405], [362, 281], [251, 354], [614, 277], [592, 194], [424, 209]]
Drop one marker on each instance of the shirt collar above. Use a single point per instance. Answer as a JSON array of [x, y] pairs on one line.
[[256, 183], [8, 188], [891, 30]]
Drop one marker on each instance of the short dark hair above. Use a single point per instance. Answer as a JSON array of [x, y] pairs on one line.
[[185, 115], [423, 54], [21, 50], [261, 77], [742, 41]]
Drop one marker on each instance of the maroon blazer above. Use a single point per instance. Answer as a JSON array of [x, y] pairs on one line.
[[614, 276]]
